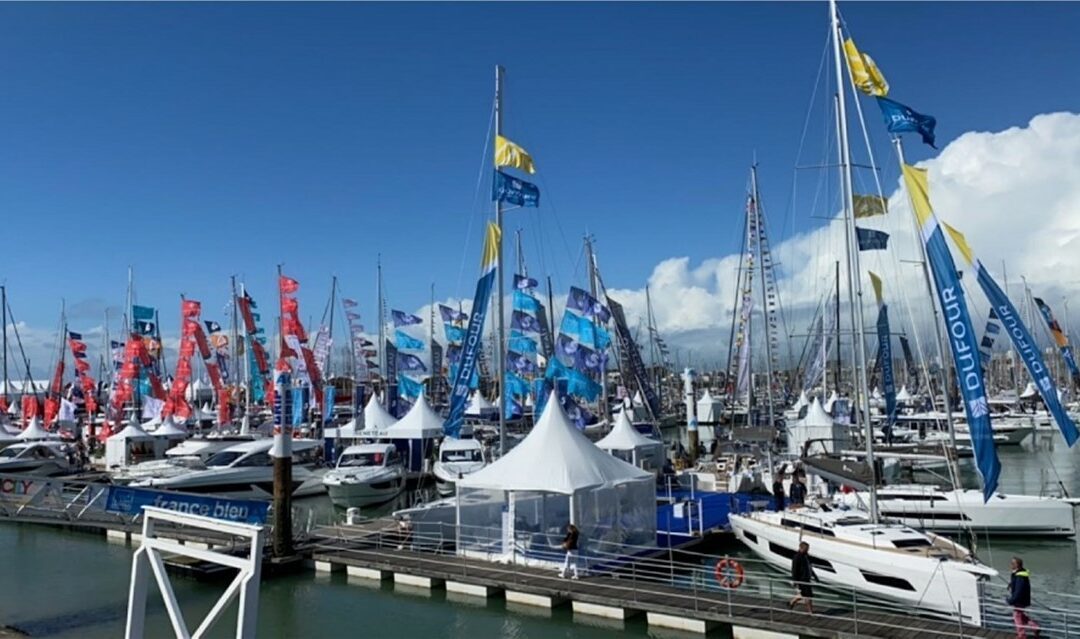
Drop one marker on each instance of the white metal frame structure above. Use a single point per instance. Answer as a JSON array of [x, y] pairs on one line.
[[148, 560]]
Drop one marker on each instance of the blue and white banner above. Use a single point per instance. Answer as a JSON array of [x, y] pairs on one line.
[[904, 119], [525, 302], [512, 190], [986, 344], [460, 386], [888, 381], [406, 342], [409, 387], [130, 501], [630, 351], [454, 334]]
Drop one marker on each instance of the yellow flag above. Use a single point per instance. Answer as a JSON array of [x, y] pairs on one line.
[[870, 205], [876, 281], [919, 192], [961, 243], [509, 154], [490, 257], [867, 77]]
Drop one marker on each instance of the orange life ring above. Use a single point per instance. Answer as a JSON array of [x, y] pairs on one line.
[[729, 573]]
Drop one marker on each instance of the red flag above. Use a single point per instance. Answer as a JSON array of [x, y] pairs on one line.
[[3, 404], [200, 339], [289, 305], [260, 357], [91, 405], [215, 375], [190, 327], [187, 348], [77, 346], [29, 408], [52, 406], [288, 285], [82, 365], [58, 378], [190, 308], [224, 416]]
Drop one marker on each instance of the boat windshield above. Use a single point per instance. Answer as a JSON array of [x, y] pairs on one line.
[[361, 460], [467, 455], [8, 453], [223, 458]]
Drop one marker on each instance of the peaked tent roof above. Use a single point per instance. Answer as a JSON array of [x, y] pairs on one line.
[[624, 436], [903, 395], [36, 431], [478, 404], [375, 417], [554, 457], [816, 415], [829, 402], [131, 431], [419, 423], [802, 401], [1029, 391], [170, 428]]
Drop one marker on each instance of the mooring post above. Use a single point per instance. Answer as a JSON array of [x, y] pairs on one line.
[[282, 455]]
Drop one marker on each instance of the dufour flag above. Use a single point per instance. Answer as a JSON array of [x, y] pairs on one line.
[[904, 119], [525, 302], [961, 334], [523, 283], [402, 318], [407, 342], [1021, 338], [512, 190], [451, 315], [460, 387]]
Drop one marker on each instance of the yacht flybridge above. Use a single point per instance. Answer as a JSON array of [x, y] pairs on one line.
[[886, 560]]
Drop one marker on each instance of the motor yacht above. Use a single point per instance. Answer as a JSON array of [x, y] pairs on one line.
[[366, 474], [457, 458], [41, 458]]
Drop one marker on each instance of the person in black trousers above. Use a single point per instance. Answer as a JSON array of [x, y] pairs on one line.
[[778, 491], [802, 573], [797, 493]]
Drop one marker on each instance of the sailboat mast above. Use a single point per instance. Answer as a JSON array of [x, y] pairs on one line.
[[862, 404], [500, 319], [764, 296], [595, 290], [945, 370], [330, 336], [836, 367], [382, 325], [3, 303]]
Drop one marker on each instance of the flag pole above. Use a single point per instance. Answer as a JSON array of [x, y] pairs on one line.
[[281, 538], [500, 320]]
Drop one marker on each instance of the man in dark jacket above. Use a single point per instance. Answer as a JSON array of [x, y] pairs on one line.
[[778, 492], [802, 573], [1020, 599], [797, 492]]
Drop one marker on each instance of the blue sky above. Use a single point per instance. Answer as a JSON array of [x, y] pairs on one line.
[[195, 141]]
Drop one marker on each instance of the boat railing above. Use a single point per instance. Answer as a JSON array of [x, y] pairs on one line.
[[642, 573], [1057, 613]]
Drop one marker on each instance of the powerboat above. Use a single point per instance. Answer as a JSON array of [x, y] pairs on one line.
[[929, 507], [190, 454], [457, 458], [366, 474], [246, 471], [888, 561], [41, 458]]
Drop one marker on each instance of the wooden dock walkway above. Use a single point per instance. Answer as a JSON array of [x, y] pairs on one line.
[[626, 595]]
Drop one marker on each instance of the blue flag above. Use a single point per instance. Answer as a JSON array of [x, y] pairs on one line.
[[410, 363], [450, 315], [402, 318], [75, 336], [903, 119], [587, 305], [871, 240], [454, 334], [409, 387], [515, 384], [887, 377], [406, 342], [521, 343], [512, 190], [523, 283], [524, 322], [525, 302], [518, 363], [142, 313]]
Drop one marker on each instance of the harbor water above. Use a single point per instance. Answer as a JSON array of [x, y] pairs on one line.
[[73, 585]]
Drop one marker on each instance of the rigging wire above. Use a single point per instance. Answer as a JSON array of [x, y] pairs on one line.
[[476, 205]]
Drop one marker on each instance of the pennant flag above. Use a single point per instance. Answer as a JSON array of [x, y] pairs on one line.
[[407, 342], [522, 343], [870, 206], [75, 336], [525, 302], [523, 283], [959, 329], [864, 73], [1060, 339], [288, 285], [409, 387], [466, 370], [1021, 339], [872, 240], [348, 303], [402, 318], [876, 282], [450, 315], [512, 190], [523, 322], [509, 154], [142, 313], [903, 119]]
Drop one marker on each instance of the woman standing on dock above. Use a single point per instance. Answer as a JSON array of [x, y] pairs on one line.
[[570, 545]]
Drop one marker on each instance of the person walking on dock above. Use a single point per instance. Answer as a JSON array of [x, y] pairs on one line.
[[1020, 599], [802, 573], [797, 492], [570, 545], [778, 491]]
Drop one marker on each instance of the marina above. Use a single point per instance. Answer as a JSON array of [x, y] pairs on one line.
[[850, 425]]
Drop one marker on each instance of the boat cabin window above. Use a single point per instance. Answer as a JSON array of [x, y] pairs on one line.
[[8, 453], [364, 460], [791, 523], [914, 542], [223, 458], [256, 459], [466, 455], [308, 455]]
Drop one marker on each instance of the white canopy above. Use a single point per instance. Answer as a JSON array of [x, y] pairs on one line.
[[375, 417], [554, 457], [170, 428], [479, 405], [638, 400], [36, 431], [132, 431], [1029, 391], [419, 423], [709, 408], [876, 393], [802, 401], [624, 436], [816, 415], [903, 395], [829, 402]]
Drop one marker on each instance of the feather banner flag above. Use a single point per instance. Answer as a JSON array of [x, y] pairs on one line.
[[509, 154], [470, 357], [962, 341], [1021, 338], [1060, 339], [864, 73]]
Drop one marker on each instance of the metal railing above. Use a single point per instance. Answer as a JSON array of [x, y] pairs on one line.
[[663, 579]]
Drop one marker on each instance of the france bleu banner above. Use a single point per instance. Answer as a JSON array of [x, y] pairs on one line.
[[904, 119], [1021, 338], [512, 190], [962, 341], [460, 387]]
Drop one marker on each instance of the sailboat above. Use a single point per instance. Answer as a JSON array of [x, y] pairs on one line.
[[849, 549]]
